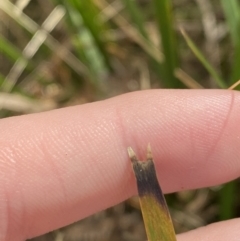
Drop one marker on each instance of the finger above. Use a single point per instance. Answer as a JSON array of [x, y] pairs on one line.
[[222, 231], [60, 166]]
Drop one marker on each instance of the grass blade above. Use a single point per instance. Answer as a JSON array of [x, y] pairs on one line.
[[9, 49], [227, 200], [1, 79], [232, 12], [136, 16], [203, 60], [155, 212], [235, 85], [96, 28], [84, 41], [164, 19], [235, 69]]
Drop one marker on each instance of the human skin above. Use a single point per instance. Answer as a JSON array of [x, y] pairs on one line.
[[60, 166]]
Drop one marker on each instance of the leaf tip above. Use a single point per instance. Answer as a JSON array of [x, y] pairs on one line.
[[149, 151], [131, 154]]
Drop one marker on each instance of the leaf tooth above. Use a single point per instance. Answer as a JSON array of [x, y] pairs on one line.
[[149, 152], [132, 154]]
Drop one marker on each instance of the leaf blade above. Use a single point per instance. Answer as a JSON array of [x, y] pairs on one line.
[[165, 22], [155, 212], [221, 83]]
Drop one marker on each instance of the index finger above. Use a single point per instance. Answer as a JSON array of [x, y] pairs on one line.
[[60, 166]]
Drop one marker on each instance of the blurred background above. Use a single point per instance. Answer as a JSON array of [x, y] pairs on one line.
[[66, 52]]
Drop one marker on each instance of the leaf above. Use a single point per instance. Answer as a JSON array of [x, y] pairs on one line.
[[165, 22], [155, 212], [231, 10], [136, 16], [197, 52]]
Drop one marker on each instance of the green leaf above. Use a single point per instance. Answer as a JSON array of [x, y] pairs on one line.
[[232, 12], [227, 200], [86, 35], [164, 18], [9, 50], [155, 212], [89, 13], [136, 16], [203, 60]]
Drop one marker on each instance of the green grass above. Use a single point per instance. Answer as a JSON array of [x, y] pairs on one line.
[[11, 52], [137, 17], [227, 197], [86, 34], [164, 19], [231, 9], [218, 79]]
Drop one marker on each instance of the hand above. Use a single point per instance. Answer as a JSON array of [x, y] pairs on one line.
[[60, 166]]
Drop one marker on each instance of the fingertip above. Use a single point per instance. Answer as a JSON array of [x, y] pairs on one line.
[[221, 231]]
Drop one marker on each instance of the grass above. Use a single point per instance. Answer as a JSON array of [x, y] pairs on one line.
[[9, 50], [218, 79], [164, 19], [86, 32], [94, 49], [232, 12], [156, 216]]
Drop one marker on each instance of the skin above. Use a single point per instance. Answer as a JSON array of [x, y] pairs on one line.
[[60, 166]]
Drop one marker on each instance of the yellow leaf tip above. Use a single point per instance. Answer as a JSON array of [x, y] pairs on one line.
[[149, 151]]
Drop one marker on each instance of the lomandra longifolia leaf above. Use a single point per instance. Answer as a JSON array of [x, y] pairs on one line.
[[157, 220]]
